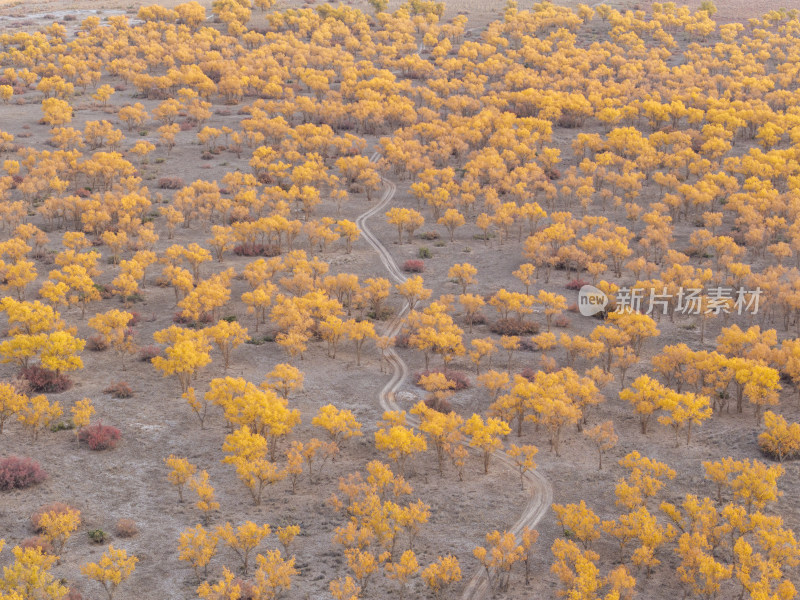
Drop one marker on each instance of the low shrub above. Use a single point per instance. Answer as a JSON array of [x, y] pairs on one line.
[[424, 252], [97, 536], [570, 121], [148, 353], [401, 340], [106, 292], [43, 380], [73, 594], [257, 250], [96, 343], [576, 284], [460, 379], [126, 528], [180, 319], [261, 339], [44, 546], [552, 173], [439, 404], [62, 426], [528, 373], [478, 318], [17, 473], [135, 318], [414, 266], [561, 321], [384, 314], [429, 235], [170, 183], [120, 390], [100, 437], [514, 326], [573, 307]]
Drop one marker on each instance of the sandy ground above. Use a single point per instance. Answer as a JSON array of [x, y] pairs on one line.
[[131, 481], [479, 11]]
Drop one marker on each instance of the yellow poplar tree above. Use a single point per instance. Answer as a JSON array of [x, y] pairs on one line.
[[180, 474], [486, 436], [244, 539], [114, 567], [197, 547]]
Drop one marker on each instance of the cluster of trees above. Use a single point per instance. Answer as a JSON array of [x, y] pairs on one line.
[[380, 525], [724, 543], [29, 574], [687, 181]]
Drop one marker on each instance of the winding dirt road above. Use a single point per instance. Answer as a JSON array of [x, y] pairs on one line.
[[541, 493]]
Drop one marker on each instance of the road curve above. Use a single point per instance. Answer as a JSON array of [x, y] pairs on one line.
[[541, 493]]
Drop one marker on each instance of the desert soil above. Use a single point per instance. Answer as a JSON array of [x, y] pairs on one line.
[[131, 480]]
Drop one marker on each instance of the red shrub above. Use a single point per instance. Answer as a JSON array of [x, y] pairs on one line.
[[561, 321], [74, 594], [181, 319], [439, 404], [44, 546], [148, 353], [256, 250], [478, 318], [413, 266], [100, 437], [514, 327], [576, 284], [552, 173], [126, 528], [106, 291], [170, 183], [459, 378], [119, 389], [44, 380], [17, 473], [135, 318], [96, 343]]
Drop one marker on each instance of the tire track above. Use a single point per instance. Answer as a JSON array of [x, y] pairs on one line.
[[541, 492]]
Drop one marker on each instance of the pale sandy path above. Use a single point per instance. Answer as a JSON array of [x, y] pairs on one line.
[[541, 493]]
